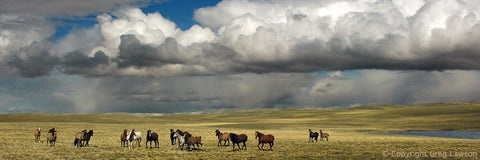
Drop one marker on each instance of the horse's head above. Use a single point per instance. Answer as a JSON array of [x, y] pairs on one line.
[[217, 132], [90, 132], [256, 134], [171, 130], [149, 133]]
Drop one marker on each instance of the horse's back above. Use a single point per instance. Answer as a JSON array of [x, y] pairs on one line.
[[267, 138]]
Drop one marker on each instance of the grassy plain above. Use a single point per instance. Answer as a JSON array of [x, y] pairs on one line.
[[348, 129]]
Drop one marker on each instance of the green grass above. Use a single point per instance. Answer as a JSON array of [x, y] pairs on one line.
[[347, 128]]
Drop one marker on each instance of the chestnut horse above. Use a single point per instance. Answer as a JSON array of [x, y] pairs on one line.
[[37, 134], [124, 139], [264, 139]]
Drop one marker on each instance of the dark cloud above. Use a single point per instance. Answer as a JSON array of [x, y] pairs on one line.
[[33, 60], [79, 63], [133, 53]]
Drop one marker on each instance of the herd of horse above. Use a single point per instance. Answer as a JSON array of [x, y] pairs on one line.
[[134, 138]]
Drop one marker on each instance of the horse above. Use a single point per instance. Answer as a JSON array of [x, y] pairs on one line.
[[124, 138], [264, 139], [181, 133], [134, 137], [313, 135], [225, 137], [190, 140], [152, 137], [323, 135], [37, 134], [87, 137], [172, 139], [51, 137], [242, 138], [181, 139], [79, 137]]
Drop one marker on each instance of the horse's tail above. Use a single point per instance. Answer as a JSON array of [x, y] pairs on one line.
[[75, 142]]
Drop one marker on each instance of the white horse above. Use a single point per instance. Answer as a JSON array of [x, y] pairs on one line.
[[181, 139], [136, 137]]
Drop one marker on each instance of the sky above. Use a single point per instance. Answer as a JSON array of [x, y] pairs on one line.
[[161, 56]]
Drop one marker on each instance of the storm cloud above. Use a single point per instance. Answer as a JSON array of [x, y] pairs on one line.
[[242, 54]]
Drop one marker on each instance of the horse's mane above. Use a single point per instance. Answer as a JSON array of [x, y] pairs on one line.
[[259, 133]]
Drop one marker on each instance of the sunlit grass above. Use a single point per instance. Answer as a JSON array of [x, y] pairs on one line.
[[347, 128]]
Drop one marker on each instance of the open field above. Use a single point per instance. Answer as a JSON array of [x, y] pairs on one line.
[[347, 128]]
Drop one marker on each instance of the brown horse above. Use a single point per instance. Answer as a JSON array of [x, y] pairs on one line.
[[123, 139], [262, 138], [79, 137], [37, 134], [323, 135], [225, 137]]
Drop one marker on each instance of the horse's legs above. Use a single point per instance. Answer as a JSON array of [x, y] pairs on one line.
[[271, 145], [262, 145], [326, 138], [244, 145], [258, 145]]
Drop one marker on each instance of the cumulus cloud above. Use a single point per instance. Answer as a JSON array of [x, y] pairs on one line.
[[277, 36], [282, 36]]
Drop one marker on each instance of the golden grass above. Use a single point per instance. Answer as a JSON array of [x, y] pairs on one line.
[[290, 126]]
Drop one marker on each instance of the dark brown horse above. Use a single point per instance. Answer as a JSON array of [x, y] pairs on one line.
[[313, 135], [242, 138], [262, 138], [172, 139]]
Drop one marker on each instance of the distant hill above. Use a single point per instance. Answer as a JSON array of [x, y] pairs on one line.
[[433, 116]]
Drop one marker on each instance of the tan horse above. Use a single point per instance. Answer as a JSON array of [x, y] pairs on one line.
[[37, 134], [323, 135], [225, 137], [264, 139]]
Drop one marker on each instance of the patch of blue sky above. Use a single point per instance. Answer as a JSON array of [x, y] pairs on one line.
[[65, 25], [179, 11], [346, 73]]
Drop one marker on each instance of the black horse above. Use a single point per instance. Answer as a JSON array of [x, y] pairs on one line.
[[313, 135], [87, 137], [152, 137]]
